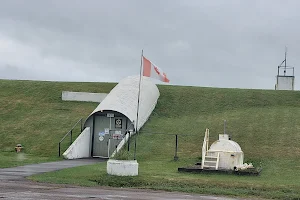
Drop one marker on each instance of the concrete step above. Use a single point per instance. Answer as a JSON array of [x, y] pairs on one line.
[[210, 161], [215, 157]]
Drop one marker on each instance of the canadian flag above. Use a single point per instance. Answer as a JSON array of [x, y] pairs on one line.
[[150, 70]]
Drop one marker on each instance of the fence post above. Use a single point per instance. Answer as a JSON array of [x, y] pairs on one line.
[[59, 149], [176, 147], [71, 138], [81, 125], [128, 142]]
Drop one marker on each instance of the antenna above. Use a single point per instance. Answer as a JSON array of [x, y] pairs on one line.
[[224, 127], [285, 60]]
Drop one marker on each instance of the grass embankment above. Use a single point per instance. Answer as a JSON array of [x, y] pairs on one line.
[[33, 114], [264, 123]]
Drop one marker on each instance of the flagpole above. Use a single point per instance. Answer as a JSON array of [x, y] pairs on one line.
[[138, 105]]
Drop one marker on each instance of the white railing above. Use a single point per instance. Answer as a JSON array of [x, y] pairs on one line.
[[205, 146]]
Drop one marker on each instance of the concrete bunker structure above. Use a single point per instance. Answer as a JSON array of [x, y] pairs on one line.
[[223, 154], [113, 121]]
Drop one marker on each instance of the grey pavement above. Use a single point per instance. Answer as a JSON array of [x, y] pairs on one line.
[[19, 190], [16, 173]]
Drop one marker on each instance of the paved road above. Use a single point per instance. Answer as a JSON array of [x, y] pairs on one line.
[[16, 173], [13, 185], [25, 190]]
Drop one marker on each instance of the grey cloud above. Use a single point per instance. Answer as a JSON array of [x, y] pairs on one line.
[[206, 43]]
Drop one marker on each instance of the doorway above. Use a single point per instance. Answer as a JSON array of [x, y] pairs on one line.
[[109, 130]]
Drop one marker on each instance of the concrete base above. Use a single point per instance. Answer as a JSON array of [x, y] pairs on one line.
[[122, 167]]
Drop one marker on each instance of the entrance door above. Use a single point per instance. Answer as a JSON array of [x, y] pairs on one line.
[[118, 126], [101, 136], [109, 130]]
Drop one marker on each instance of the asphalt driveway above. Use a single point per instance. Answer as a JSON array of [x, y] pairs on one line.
[[17, 173]]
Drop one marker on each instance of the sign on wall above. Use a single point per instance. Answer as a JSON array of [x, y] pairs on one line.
[[118, 123], [117, 136], [110, 115], [101, 136]]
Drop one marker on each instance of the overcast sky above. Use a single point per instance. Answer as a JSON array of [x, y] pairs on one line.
[[211, 43]]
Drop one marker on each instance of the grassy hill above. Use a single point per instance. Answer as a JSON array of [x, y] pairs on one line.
[[264, 122], [33, 114]]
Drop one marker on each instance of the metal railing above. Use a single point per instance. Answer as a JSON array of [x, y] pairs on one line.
[[127, 131], [170, 134], [71, 135]]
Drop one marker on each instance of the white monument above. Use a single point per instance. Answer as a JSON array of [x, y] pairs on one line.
[[223, 154]]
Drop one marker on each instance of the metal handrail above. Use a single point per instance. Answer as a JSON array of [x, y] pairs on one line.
[[179, 134], [71, 133], [127, 131]]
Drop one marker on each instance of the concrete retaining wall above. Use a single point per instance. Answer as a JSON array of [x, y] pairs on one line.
[[80, 148], [122, 167], [83, 96]]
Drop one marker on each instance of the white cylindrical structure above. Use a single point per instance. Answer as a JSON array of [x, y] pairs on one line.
[[231, 154], [123, 98]]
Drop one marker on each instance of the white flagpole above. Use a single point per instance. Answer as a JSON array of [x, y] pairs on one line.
[[138, 105]]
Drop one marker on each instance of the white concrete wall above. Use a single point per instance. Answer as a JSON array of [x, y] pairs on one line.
[[285, 83], [83, 96], [122, 167], [80, 148]]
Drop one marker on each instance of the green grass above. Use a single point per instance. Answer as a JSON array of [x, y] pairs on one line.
[[33, 114], [264, 122]]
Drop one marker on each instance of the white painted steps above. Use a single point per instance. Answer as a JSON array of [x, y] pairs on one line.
[[211, 161]]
